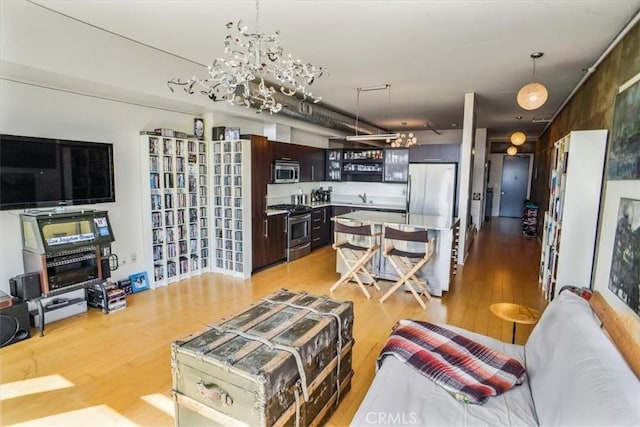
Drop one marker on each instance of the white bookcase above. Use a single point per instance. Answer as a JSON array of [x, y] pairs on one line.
[[232, 207], [571, 222], [176, 207]]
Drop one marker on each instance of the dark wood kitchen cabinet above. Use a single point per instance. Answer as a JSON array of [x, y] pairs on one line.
[[283, 151], [434, 153], [320, 227], [314, 163], [263, 228], [276, 237], [311, 159]]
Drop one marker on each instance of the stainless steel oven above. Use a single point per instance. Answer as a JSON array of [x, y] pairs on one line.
[[285, 171], [298, 229], [298, 235]]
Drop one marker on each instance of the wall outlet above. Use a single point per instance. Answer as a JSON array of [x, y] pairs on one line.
[[134, 257]]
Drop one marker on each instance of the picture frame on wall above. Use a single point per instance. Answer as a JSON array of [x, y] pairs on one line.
[[232, 134], [198, 128], [625, 260], [623, 159], [217, 133]]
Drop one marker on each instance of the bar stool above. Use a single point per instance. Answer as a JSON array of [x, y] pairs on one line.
[[399, 250], [356, 245]]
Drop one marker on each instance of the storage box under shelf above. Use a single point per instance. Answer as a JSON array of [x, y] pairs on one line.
[[116, 298]]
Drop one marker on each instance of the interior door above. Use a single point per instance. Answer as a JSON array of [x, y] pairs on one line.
[[515, 176]]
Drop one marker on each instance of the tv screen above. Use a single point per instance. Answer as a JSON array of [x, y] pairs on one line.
[[42, 172]]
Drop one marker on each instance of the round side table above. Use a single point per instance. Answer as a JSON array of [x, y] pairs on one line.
[[515, 313]]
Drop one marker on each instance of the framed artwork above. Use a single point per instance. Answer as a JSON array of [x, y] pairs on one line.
[[623, 158], [198, 128], [232, 134], [624, 279], [139, 282]]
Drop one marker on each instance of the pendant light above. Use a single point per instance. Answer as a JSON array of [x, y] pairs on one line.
[[512, 150], [404, 140], [377, 137], [518, 138], [533, 95]]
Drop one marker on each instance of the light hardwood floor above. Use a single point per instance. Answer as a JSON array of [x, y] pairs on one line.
[[117, 366]]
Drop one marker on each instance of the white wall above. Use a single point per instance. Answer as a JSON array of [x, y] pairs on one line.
[[36, 111], [466, 164], [479, 183], [495, 181]]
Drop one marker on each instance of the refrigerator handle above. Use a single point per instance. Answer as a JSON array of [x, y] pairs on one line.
[[408, 192]]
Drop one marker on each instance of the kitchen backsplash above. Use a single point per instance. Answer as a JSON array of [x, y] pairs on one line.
[[347, 192]]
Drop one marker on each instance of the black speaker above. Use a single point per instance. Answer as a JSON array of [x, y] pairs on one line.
[[14, 323], [25, 286], [106, 268]]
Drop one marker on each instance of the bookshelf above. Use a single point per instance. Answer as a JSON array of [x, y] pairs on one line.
[[176, 203], [571, 221], [232, 207]]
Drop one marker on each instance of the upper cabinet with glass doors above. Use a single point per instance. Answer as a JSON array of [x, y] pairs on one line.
[[396, 164]]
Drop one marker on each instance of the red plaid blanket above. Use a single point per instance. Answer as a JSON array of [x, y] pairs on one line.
[[469, 371]]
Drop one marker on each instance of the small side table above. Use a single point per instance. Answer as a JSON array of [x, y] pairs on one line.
[[515, 313]]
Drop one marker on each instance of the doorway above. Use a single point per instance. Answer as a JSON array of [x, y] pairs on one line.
[[515, 178]]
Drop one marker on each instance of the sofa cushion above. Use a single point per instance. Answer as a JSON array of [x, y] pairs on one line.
[[399, 396], [576, 375]]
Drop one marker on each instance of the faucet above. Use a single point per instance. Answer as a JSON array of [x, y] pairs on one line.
[[363, 197]]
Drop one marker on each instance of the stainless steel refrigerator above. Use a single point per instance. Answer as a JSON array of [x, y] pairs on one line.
[[432, 188]]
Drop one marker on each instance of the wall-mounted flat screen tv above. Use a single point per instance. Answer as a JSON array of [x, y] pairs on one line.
[[43, 172]]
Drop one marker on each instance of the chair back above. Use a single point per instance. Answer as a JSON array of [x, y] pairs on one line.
[[355, 235], [407, 236], [359, 230], [407, 242]]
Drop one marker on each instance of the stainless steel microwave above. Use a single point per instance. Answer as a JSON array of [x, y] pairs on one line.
[[285, 171]]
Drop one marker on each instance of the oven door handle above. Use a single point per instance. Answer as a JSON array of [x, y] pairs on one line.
[[303, 218]]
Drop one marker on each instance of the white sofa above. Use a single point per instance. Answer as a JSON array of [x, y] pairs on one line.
[[575, 376]]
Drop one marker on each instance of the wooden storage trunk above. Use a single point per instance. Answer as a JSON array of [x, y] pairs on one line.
[[283, 361]]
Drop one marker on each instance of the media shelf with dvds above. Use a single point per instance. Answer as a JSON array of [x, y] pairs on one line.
[[231, 211], [175, 174], [571, 221]]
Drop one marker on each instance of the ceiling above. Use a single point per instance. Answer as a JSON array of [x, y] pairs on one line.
[[430, 52]]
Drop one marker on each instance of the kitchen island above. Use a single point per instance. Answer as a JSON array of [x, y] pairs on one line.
[[438, 272]]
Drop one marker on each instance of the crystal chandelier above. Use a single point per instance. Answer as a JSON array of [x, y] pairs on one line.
[[403, 140], [252, 61]]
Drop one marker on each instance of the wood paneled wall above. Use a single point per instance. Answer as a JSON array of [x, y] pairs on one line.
[[590, 108]]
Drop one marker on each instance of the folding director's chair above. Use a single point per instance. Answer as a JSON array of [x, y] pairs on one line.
[[356, 245], [399, 251]]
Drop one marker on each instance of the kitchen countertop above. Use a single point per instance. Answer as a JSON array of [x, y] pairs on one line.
[[366, 205], [426, 221], [337, 203]]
